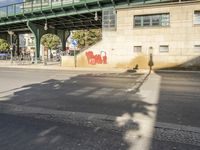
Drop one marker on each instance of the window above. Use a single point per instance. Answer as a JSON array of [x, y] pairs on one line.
[[138, 21], [109, 19], [137, 49], [164, 48], [164, 20], [156, 20], [152, 20], [196, 19], [146, 21], [197, 48]]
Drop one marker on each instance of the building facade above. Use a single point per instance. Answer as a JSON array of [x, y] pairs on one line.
[[26, 43], [170, 32]]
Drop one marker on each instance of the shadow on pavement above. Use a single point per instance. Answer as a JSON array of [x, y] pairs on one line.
[[26, 133], [91, 93], [178, 106], [179, 98]]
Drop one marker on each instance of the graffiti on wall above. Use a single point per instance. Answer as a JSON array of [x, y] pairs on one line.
[[94, 59]]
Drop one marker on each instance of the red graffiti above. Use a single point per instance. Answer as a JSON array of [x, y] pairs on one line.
[[96, 59]]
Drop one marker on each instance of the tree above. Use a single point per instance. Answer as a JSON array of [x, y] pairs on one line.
[[50, 41], [4, 45], [87, 37]]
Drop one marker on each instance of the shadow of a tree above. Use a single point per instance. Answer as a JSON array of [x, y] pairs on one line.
[[90, 93]]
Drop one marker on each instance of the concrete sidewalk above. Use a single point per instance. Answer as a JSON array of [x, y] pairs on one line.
[[56, 66]]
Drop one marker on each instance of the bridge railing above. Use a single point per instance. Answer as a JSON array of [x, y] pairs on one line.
[[40, 5], [33, 6]]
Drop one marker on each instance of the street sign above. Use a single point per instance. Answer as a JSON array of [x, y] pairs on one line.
[[74, 43]]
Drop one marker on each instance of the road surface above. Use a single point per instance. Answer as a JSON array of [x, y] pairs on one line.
[[36, 106]]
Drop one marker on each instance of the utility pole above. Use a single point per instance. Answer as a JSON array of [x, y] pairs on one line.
[[11, 33], [74, 43]]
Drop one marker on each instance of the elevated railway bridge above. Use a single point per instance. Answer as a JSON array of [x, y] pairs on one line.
[[62, 16]]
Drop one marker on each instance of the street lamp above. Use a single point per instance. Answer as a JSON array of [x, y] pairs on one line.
[[11, 33], [46, 26], [150, 58], [45, 55], [96, 16]]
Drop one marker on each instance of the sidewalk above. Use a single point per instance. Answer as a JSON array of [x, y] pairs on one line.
[[53, 66], [57, 66]]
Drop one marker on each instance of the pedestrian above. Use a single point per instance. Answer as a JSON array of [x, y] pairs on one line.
[[51, 56], [32, 54]]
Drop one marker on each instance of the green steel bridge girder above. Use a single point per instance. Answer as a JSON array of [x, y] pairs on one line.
[[43, 12], [51, 12], [39, 31]]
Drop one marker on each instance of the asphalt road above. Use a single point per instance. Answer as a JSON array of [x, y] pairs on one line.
[[179, 99], [25, 133], [79, 91], [95, 92]]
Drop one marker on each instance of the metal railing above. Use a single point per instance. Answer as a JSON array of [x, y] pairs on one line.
[[33, 6], [40, 5]]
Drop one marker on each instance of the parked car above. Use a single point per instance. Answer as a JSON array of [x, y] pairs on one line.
[[4, 55]]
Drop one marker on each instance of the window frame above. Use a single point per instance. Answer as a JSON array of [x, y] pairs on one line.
[[164, 20], [197, 48], [109, 19], [163, 46], [137, 46], [196, 19]]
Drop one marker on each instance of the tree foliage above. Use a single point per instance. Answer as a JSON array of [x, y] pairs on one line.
[[4, 45], [50, 41], [87, 37]]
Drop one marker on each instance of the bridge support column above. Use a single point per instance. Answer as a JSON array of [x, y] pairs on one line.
[[18, 49], [63, 35], [16, 41], [38, 32]]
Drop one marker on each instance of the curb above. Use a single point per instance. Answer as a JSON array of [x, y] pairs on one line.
[[77, 118], [82, 118], [176, 71], [66, 68], [162, 131], [139, 82], [177, 127]]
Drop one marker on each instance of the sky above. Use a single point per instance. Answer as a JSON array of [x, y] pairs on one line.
[[7, 2]]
